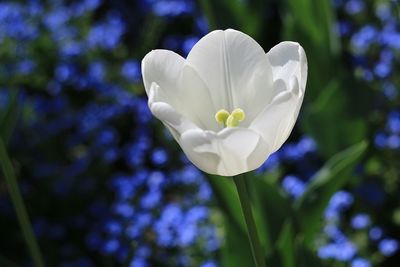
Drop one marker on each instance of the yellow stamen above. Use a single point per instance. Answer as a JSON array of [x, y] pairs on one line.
[[238, 113], [230, 120], [221, 116]]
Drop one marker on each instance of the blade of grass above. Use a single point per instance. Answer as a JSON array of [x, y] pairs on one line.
[[19, 206], [8, 119]]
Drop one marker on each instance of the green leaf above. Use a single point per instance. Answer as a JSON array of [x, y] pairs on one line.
[[312, 24], [8, 119], [231, 14], [331, 177], [256, 190], [235, 251], [317, 21], [286, 245], [227, 197], [272, 207], [10, 179], [332, 105], [307, 258]]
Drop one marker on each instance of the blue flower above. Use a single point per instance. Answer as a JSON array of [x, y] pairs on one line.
[[380, 140], [187, 234], [388, 246], [341, 251], [156, 179], [364, 38], [389, 90], [80, 8], [113, 228], [354, 6], [26, 66], [143, 251], [124, 186], [393, 141], [139, 262], [34, 8], [390, 36], [110, 246], [327, 251], [344, 28], [340, 201], [360, 262], [345, 251], [188, 44], [360, 221], [208, 264], [65, 72], [106, 136], [96, 71], [170, 8], [294, 186], [382, 69], [151, 199], [375, 233], [57, 18], [196, 214], [393, 122], [107, 34], [271, 163], [131, 71], [124, 209], [334, 233], [205, 192], [159, 156], [291, 152]]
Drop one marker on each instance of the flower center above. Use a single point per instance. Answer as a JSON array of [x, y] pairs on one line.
[[230, 119]]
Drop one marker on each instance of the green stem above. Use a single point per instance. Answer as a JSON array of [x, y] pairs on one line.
[[19, 206], [256, 250]]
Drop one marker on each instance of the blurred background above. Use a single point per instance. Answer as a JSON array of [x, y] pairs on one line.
[[106, 185]]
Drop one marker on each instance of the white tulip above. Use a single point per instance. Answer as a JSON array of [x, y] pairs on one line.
[[229, 104]]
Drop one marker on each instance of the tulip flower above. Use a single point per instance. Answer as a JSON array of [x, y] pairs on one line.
[[229, 104]]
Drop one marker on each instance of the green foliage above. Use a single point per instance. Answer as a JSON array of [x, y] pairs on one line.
[[331, 177], [315, 19], [287, 230], [8, 118], [236, 251], [231, 14], [329, 120], [228, 200]]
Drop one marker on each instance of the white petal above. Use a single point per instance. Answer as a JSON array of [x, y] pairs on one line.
[[276, 121], [178, 86], [163, 67], [288, 60], [200, 102], [230, 152], [234, 68], [177, 123], [169, 116], [289, 68]]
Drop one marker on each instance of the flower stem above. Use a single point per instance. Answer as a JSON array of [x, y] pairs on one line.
[[22, 215], [252, 234]]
